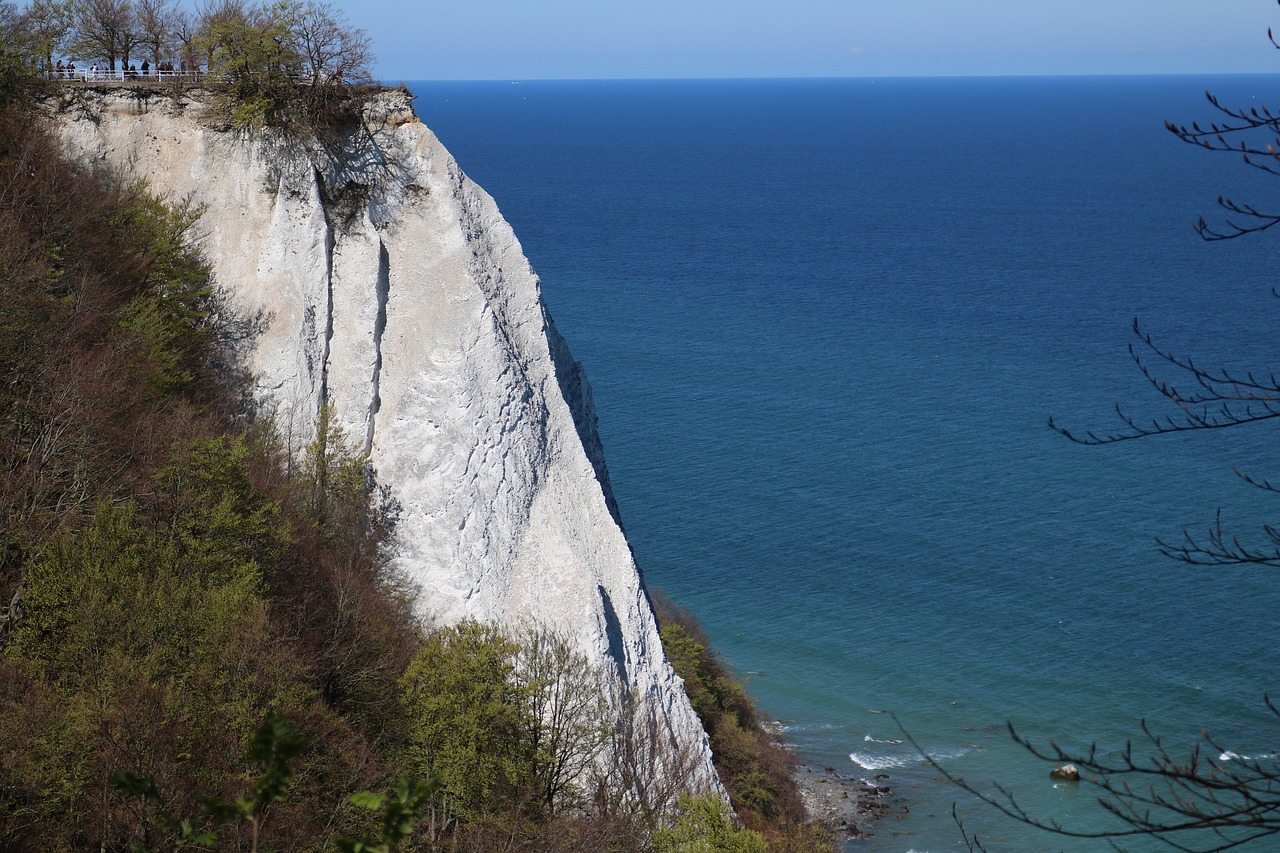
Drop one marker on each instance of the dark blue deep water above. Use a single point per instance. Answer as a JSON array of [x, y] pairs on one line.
[[826, 322]]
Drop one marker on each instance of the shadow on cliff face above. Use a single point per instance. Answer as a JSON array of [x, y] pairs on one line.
[[351, 162], [358, 167], [613, 630], [576, 391], [235, 338]]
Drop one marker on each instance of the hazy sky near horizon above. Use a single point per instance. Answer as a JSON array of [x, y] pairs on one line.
[[586, 39]]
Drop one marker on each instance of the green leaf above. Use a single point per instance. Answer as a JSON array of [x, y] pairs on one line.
[[127, 782], [367, 800]]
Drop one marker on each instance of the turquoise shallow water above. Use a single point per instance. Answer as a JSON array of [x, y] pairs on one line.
[[826, 322]]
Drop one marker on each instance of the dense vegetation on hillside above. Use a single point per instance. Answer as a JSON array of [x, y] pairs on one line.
[[753, 762], [201, 644], [169, 577]]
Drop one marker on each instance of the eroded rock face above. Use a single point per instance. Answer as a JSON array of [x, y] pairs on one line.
[[390, 285]]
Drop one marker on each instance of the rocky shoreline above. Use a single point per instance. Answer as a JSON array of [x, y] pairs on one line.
[[846, 806]]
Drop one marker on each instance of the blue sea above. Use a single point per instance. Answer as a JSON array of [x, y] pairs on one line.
[[826, 322]]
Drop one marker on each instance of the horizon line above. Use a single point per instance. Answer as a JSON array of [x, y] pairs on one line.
[[392, 81]]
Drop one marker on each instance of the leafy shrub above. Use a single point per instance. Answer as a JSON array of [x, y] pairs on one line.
[[754, 766], [704, 825], [464, 727]]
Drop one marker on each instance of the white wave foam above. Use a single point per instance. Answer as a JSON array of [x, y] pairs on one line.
[[890, 741], [867, 761], [1235, 756], [882, 761]]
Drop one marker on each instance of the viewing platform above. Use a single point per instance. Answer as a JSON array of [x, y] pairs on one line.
[[124, 75]]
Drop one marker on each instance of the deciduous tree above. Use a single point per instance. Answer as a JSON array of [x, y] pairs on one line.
[[104, 30], [567, 714], [18, 50], [50, 23], [332, 50], [186, 31], [157, 20], [704, 825], [463, 712], [249, 49]]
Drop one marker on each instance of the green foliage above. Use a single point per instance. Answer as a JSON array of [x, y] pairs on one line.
[[464, 720], [730, 719], [248, 48], [161, 658], [704, 825], [337, 496], [566, 714], [509, 727], [178, 833], [690, 661], [219, 523], [755, 770], [272, 747], [20, 49], [136, 634], [115, 590], [400, 811], [169, 316], [48, 444]]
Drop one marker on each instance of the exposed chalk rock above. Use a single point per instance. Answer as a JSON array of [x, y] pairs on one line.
[[390, 285]]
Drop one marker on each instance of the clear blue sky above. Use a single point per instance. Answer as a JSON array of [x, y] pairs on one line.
[[530, 39]]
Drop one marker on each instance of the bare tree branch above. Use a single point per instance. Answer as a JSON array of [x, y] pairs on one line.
[[1199, 804]]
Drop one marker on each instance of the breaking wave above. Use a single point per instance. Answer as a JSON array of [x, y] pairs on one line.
[[888, 761], [891, 741], [1235, 756]]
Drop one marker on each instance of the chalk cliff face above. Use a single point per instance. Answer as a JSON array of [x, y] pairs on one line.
[[389, 285]]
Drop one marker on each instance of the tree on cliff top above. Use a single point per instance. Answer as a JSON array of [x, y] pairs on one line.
[[19, 51], [50, 23], [330, 47], [157, 21], [248, 50], [104, 29], [259, 54]]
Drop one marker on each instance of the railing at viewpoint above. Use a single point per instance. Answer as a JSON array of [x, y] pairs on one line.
[[122, 75]]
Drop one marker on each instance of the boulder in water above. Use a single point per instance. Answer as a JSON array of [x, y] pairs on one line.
[[1067, 772]]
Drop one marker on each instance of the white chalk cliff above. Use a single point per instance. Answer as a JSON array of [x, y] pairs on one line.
[[390, 285]]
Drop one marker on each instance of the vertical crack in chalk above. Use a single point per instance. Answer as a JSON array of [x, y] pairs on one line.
[[329, 246], [379, 326]]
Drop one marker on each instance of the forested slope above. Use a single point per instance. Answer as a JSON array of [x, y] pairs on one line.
[[171, 577]]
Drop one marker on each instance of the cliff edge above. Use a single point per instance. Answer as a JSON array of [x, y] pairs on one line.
[[388, 284]]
